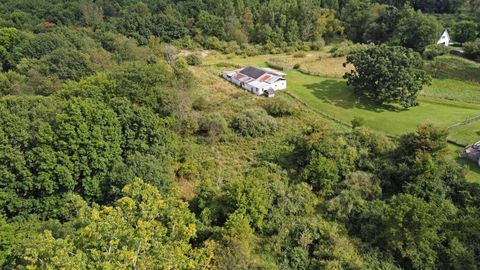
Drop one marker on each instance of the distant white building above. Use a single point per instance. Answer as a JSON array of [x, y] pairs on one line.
[[260, 81], [445, 39]]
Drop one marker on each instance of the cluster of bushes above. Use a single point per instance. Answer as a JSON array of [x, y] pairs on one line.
[[254, 123], [194, 60], [279, 107], [434, 50], [212, 126], [347, 47], [472, 49]]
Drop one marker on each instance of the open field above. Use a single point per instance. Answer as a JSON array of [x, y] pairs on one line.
[[335, 98], [448, 101], [453, 89]]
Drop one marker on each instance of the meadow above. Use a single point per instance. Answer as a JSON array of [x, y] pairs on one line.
[[451, 99]]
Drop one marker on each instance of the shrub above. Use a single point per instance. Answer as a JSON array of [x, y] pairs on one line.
[[299, 55], [194, 60], [434, 50], [254, 123], [464, 31], [279, 107], [212, 126], [472, 49], [296, 66], [346, 48], [318, 44], [357, 121], [200, 104]]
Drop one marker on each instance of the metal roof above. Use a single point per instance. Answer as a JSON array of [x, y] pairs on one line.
[[253, 72]]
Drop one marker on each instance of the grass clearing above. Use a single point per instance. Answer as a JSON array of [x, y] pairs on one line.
[[452, 89], [454, 67]]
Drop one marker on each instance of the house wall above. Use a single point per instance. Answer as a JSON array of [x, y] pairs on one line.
[[279, 85]]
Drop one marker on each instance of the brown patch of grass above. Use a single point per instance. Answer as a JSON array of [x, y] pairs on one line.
[[326, 67]]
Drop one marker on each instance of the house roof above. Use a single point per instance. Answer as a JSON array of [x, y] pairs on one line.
[[274, 72], [253, 72]]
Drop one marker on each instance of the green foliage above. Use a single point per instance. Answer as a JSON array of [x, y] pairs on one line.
[[67, 64], [254, 123], [416, 30], [9, 39], [210, 24], [200, 104], [387, 74], [472, 49], [212, 126], [194, 60], [465, 31], [347, 47], [434, 50], [412, 229], [357, 122], [279, 107], [116, 105], [142, 229], [427, 139]]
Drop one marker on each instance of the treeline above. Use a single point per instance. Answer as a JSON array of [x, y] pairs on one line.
[[231, 25]]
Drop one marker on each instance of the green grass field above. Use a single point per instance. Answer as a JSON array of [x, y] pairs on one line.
[[334, 97], [446, 102]]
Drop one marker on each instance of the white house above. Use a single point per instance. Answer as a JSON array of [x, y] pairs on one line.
[[445, 39], [260, 81]]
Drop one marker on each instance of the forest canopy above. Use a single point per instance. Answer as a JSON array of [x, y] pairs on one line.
[[120, 148]]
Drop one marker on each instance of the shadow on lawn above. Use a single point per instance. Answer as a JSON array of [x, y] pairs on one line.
[[337, 93]]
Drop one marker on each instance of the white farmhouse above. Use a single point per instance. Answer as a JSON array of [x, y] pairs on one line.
[[260, 81], [445, 39]]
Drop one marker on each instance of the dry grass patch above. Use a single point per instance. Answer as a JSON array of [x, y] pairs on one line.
[[331, 67]]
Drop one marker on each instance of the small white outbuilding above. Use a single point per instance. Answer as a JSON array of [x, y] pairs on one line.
[[445, 39]]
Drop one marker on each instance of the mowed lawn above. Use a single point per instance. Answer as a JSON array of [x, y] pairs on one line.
[[335, 98]]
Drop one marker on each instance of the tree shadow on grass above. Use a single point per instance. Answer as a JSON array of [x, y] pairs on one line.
[[471, 165], [337, 93]]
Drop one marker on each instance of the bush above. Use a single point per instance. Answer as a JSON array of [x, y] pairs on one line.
[[434, 50], [212, 126], [254, 123], [194, 60], [357, 121], [346, 48], [299, 55], [296, 66], [318, 44], [472, 49], [279, 107], [200, 104]]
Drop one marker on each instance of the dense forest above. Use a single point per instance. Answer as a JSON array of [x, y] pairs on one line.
[[103, 143]]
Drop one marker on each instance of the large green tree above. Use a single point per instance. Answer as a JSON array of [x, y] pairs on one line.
[[387, 74]]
